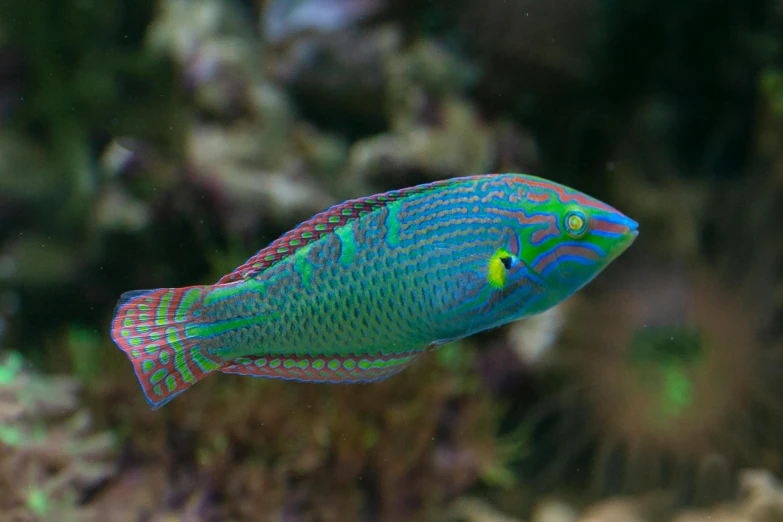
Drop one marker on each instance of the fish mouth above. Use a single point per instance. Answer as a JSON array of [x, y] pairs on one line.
[[633, 232], [627, 238], [633, 227], [623, 231], [626, 230]]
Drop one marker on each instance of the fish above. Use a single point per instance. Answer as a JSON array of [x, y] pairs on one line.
[[360, 291]]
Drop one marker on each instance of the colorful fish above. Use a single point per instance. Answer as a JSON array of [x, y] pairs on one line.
[[359, 291]]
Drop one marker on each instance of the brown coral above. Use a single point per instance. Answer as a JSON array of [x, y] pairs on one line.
[[49, 456], [394, 450], [666, 372]]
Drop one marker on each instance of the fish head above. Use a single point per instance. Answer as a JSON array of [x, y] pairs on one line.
[[566, 239]]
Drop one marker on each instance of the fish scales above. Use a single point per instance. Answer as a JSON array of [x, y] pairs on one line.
[[359, 291], [338, 313]]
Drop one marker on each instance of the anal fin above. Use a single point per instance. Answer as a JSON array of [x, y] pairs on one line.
[[334, 368]]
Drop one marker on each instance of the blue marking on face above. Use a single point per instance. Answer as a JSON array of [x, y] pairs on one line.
[[598, 250], [603, 233], [617, 219], [575, 259]]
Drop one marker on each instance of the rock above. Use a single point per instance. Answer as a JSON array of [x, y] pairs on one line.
[[471, 509], [553, 510], [613, 510]]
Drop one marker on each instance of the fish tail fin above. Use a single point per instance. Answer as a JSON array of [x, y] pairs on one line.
[[151, 327]]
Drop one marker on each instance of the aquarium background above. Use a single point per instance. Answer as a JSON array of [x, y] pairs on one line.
[[149, 144]]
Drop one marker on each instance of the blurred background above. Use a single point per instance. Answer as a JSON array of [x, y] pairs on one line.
[[160, 143]]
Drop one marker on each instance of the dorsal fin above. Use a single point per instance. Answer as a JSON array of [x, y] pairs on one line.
[[323, 224]]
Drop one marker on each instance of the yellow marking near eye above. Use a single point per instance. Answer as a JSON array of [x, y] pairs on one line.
[[496, 276]]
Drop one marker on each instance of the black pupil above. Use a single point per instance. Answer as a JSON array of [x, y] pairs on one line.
[[506, 262]]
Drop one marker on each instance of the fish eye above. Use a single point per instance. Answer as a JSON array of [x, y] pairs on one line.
[[575, 223], [506, 262]]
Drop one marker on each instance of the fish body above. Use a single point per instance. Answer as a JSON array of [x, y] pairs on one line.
[[359, 291]]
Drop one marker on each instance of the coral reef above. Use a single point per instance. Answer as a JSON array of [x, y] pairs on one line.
[[283, 19], [760, 500], [675, 389], [392, 451], [246, 147], [161, 142], [50, 457]]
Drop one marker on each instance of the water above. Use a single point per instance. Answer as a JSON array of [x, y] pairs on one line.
[[161, 143]]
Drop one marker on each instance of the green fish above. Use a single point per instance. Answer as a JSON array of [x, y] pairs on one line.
[[359, 291]]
